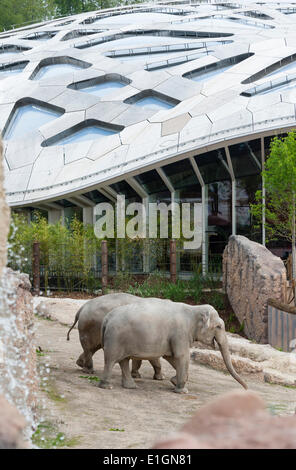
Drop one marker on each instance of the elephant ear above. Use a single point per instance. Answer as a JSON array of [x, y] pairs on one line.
[[205, 320]]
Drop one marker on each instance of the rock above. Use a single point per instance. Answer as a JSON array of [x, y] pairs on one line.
[[214, 359], [18, 378], [252, 275], [274, 377], [272, 365], [12, 425], [61, 310], [237, 420]]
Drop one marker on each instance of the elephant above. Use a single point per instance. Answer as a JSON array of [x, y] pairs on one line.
[[90, 317], [160, 328]]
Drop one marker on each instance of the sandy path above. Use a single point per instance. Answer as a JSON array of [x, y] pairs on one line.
[[88, 413]]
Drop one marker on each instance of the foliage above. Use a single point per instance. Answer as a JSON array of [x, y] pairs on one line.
[[280, 185], [16, 13], [67, 253], [47, 436], [216, 299], [158, 285]]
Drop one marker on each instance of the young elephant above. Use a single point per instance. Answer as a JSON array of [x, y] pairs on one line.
[[90, 318], [155, 328]]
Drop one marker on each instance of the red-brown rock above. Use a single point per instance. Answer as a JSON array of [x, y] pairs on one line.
[[237, 420]]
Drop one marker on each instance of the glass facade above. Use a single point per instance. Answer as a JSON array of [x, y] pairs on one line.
[[223, 182]]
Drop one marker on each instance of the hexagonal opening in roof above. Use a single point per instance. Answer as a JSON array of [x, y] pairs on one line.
[[152, 100], [40, 35], [211, 70], [101, 86], [11, 49], [27, 116], [13, 68], [78, 33], [54, 66], [91, 129]]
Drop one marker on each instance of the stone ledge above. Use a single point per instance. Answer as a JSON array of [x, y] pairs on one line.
[[272, 366]]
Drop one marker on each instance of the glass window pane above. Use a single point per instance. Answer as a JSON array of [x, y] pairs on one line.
[[96, 197], [213, 166], [151, 182], [181, 174], [245, 196], [246, 158], [122, 187]]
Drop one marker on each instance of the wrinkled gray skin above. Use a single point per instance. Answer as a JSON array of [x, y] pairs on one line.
[[155, 328], [90, 317]]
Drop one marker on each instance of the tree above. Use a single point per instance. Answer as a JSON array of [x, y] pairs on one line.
[[14, 13], [279, 202]]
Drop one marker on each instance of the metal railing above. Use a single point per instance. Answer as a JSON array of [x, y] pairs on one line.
[[271, 84]]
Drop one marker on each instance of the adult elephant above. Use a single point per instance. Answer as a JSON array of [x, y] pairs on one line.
[[90, 318], [156, 327]]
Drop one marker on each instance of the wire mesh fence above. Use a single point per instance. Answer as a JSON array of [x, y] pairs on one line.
[[79, 268]]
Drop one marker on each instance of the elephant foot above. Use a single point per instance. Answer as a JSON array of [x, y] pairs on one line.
[[130, 385], [135, 374], [174, 380], [80, 362], [88, 371], [105, 385], [181, 390], [158, 376]]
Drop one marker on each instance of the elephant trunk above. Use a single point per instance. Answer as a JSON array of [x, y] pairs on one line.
[[223, 346]]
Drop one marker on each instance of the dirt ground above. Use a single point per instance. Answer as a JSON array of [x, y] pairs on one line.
[[89, 417]]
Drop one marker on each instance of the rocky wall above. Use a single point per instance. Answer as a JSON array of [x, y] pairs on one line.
[[252, 275], [18, 375]]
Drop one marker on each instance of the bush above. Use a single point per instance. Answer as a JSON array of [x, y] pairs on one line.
[[68, 254]]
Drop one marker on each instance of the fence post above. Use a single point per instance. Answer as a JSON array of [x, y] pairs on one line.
[[104, 247], [173, 261], [36, 268]]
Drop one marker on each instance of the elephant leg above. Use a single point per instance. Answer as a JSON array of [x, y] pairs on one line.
[[157, 369], [80, 360], [127, 380], [182, 366], [88, 366], [136, 364], [171, 361], [105, 382]]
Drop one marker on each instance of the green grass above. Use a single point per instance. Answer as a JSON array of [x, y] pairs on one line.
[[91, 378], [40, 353], [275, 409], [52, 393], [47, 436], [116, 429]]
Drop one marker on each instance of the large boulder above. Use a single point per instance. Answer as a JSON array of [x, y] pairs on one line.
[[252, 275], [18, 374], [237, 420], [12, 425]]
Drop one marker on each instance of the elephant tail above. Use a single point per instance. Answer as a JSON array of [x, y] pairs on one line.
[[75, 321]]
